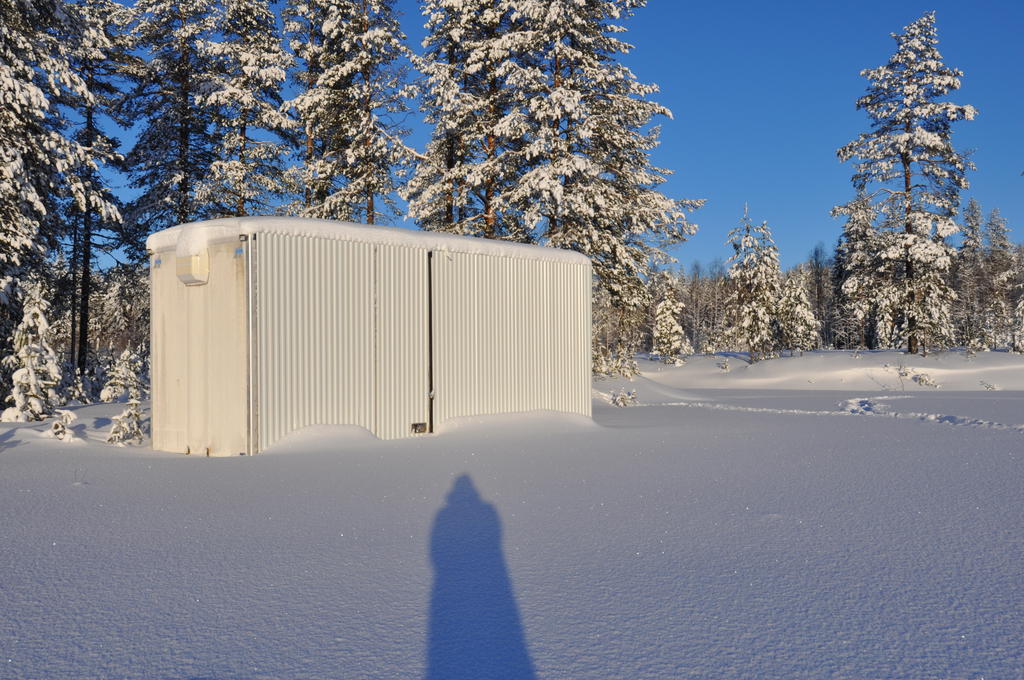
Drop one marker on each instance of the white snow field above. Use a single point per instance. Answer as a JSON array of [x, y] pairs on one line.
[[811, 517]]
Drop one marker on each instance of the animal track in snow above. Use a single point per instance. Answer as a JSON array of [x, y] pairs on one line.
[[866, 406], [862, 406]]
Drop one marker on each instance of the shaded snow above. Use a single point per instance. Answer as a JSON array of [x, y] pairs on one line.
[[714, 530]]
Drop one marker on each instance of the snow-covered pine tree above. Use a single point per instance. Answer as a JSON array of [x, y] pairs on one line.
[[76, 386], [695, 308], [668, 340], [55, 276], [175, 147], [124, 378], [121, 308], [754, 281], [704, 307], [858, 275], [588, 184], [821, 294], [127, 427], [476, 65], [36, 373], [249, 66], [798, 326], [616, 337], [998, 248], [999, 284], [969, 282], [37, 158], [916, 175], [436, 191], [353, 90], [61, 427], [100, 55], [591, 187], [1017, 329]]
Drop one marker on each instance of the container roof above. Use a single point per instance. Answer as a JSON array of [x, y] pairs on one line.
[[193, 238]]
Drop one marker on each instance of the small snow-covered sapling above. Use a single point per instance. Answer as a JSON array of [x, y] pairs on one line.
[[624, 398], [60, 427]]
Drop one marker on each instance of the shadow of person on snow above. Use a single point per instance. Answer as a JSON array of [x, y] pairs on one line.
[[474, 629]]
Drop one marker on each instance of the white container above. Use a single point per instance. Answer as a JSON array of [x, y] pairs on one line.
[[264, 325]]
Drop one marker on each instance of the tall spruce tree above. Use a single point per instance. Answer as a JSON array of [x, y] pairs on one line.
[[39, 160], [353, 90], [996, 234], [475, 92], [998, 289], [175, 148], [540, 134], [754, 280], [436, 191], [868, 305], [43, 167], [914, 176], [969, 281], [668, 340], [798, 327], [35, 369], [249, 66], [589, 185]]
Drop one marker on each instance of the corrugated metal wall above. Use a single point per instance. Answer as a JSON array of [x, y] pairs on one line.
[[401, 359], [315, 334], [510, 335]]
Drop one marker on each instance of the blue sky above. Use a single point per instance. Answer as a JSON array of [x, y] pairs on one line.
[[764, 93]]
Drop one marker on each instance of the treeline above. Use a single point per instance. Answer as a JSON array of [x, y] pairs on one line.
[[749, 305]]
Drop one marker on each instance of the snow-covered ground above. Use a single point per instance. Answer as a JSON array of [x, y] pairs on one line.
[[821, 516]]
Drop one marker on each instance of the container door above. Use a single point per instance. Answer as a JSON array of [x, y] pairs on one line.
[[218, 347], [168, 354], [199, 353]]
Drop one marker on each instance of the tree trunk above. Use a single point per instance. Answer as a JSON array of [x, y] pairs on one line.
[[368, 112], [908, 228], [83, 311], [184, 212], [491, 152], [75, 255], [307, 191], [490, 219], [85, 259], [240, 198], [450, 160]]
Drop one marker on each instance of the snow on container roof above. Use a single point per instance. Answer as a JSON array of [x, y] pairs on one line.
[[191, 239]]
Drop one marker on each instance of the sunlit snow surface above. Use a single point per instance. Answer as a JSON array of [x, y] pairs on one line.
[[767, 521]]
